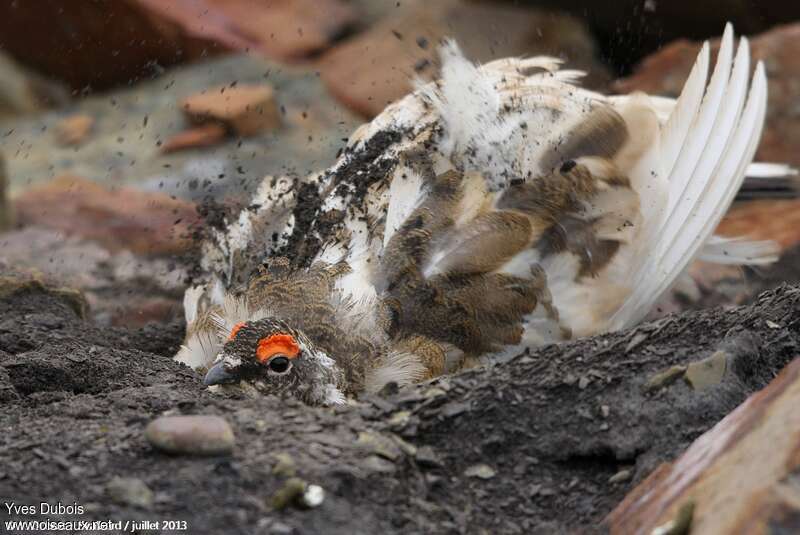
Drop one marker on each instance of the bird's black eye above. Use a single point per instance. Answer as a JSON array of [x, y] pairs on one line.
[[279, 364]]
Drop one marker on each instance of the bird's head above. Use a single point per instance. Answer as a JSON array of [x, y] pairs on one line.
[[277, 359]]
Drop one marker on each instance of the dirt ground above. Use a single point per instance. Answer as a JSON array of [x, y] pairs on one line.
[[547, 443]]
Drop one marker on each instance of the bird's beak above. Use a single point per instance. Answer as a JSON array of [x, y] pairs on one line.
[[218, 375]]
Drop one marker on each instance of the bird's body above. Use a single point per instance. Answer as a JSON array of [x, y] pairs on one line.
[[499, 208]]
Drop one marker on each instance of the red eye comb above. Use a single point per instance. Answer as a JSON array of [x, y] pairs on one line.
[[283, 344], [235, 330]]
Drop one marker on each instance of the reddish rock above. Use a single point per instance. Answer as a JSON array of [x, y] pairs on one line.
[[288, 29], [120, 288], [246, 109], [665, 71], [111, 42], [767, 219], [105, 43], [145, 223], [206, 135], [739, 477], [376, 67], [74, 130]]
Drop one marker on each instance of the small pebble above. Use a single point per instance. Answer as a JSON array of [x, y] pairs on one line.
[[619, 477], [297, 492], [379, 444], [192, 435], [312, 497], [130, 491], [284, 465], [427, 457], [482, 471]]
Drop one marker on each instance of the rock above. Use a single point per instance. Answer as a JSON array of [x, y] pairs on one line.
[[284, 465], [193, 435], [708, 371], [107, 281], [619, 477], [650, 24], [245, 109], [481, 471], [145, 223], [288, 29], [20, 282], [374, 463], [74, 129], [375, 67], [664, 73], [297, 492], [130, 491], [24, 92], [427, 457], [681, 524], [132, 124], [198, 137], [733, 478], [98, 45], [313, 496], [291, 491], [380, 445], [767, 219], [664, 378]]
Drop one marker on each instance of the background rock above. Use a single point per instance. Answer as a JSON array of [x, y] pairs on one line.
[[377, 66], [664, 72], [96, 45], [145, 223], [630, 29], [131, 126], [120, 288], [23, 92]]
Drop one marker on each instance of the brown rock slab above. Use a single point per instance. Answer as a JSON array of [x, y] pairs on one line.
[[664, 73], [206, 135], [74, 130], [764, 219], [287, 29], [120, 288], [377, 66], [246, 109], [93, 45], [145, 223], [192, 435], [96, 45], [736, 478]]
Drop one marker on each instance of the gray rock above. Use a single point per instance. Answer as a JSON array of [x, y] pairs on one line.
[[130, 491], [132, 124], [619, 477], [708, 371], [427, 457], [664, 378], [192, 435], [481, 471]]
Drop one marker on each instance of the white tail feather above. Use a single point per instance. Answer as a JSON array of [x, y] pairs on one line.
[[715, 170], [739, 251]]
